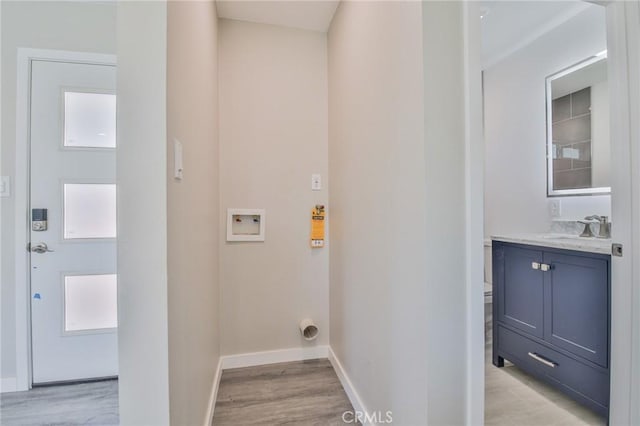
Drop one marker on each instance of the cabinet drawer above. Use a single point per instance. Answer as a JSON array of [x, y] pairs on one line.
[[580, 380]]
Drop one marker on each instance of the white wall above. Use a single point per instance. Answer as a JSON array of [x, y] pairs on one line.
[[447, 165], [396, 156], [514, 108], [76, 26], [273, 136], [142, 213], [192, 118]]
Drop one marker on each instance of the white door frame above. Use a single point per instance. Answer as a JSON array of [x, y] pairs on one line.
[[623, 35], [623, 42], [474, 213], [22, 180], [623, 30]]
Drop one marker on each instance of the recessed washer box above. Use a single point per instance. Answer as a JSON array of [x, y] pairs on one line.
[[245, 224]]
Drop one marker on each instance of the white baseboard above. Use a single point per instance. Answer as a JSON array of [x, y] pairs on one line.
[[350, 390], [214, 394], [273, 357], [8, 384]]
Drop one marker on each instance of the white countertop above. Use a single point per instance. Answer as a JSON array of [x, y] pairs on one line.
[[561, 241]]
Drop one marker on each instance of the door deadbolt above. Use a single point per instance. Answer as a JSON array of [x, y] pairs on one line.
[[39, 220]]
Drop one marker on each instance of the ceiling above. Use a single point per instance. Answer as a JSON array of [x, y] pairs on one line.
[[314, 15], [508, 26], [579, 79]]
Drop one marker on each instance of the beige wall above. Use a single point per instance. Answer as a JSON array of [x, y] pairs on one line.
[[397, 196], [192, 208], [76, 26], [142, 213], [273, 136], [393, 138], [376, 155]]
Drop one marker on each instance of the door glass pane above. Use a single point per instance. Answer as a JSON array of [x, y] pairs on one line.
[[90, 302], [89, 210], [89, 120]]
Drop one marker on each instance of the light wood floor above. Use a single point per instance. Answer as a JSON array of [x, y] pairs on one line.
[[295, 393], [512, 397], [77, 404]]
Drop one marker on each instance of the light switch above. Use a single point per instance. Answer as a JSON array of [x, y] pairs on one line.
[[316, 182], [5, 186], [177, 159]]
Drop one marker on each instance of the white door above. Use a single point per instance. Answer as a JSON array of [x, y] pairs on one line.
[[73, 261]]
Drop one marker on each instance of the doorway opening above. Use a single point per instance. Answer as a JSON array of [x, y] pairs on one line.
[[547, 177]]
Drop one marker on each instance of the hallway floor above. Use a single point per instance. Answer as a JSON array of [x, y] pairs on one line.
[[300, 393], [94, 403], [512, 397]]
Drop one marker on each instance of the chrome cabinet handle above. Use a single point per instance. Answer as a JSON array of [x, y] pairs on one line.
[[542, 360], [40, 248], [540, 266]]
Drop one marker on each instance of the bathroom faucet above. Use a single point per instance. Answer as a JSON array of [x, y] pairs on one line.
[[605, 225]]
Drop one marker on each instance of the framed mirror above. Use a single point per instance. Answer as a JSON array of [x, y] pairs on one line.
[[578, 154]]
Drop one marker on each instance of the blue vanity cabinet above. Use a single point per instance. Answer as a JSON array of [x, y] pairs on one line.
[[551, 310]]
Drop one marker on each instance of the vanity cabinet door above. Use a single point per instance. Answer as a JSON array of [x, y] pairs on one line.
[[577, 305], [520, 288]]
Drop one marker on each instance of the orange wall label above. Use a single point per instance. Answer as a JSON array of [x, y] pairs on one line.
[[317, 226]]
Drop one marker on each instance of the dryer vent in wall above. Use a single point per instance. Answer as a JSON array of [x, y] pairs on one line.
[[308, 329]]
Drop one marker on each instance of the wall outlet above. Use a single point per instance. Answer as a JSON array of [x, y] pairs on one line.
[[5, 186], [555, 208]]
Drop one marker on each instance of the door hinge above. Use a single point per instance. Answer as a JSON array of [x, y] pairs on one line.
[[616, 249], [29, 247]]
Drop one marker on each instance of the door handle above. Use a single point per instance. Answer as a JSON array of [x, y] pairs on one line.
[[541, 266], [542, 360], [40, 248]]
